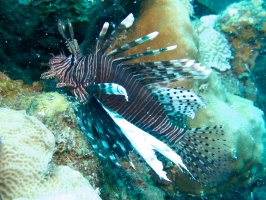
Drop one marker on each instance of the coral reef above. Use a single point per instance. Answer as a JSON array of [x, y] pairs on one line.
[[60, 120], [243, 123], [214, 49], [48, 104], [17, 94], [188, 6], [244, 24], [71, 146], [258, 76], [26, 170]]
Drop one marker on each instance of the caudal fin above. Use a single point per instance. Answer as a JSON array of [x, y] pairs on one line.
[[205, 152]]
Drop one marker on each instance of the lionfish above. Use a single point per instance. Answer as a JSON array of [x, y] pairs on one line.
[[129, 106]]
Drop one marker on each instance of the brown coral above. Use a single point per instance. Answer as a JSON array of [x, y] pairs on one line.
[[171, 20], [244, 26]]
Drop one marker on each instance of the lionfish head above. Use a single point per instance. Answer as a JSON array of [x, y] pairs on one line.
[[57, 59], [54, 63]]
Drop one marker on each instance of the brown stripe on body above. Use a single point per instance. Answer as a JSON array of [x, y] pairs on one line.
[[142, 109]]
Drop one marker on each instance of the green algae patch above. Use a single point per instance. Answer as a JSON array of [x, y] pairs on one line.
[[16, 94], [48, 105]]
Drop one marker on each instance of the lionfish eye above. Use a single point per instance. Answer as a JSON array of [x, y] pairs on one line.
[[54, 61]]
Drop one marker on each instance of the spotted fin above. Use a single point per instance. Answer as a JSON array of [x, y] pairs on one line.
[[86, 127], [205, 152], [118, 137], [178, 101], [93, 118]]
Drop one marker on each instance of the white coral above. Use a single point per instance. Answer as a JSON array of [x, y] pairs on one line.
[[214, 48], [25, 170]]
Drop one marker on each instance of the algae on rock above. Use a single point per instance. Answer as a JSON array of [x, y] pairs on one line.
[[48, 104]]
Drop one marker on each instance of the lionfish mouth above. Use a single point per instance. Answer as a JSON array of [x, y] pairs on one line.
[[53, 62], [47, 75]]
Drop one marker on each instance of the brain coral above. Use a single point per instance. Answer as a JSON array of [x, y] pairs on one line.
[[25, 169], [214, 48]]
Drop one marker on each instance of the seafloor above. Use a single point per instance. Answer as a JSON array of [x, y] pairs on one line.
[[45, 155]]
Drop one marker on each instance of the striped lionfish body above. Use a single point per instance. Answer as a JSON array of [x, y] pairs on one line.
[[128, 105]]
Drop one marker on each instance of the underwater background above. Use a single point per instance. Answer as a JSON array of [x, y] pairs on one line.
[[45, 155]]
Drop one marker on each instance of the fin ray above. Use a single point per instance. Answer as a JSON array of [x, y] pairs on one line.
[[126, 23], [92, 117], [147, 53], [205, 153], [132, 44], [145, 144], [178, 101], [165, 71]]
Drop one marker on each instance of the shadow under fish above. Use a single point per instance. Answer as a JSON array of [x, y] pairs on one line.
[[129, 106]]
